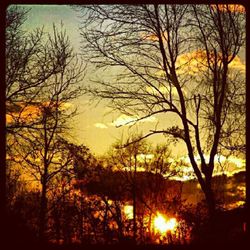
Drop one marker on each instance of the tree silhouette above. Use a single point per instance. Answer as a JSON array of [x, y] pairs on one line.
[[42, 78], [179, 61], [140, 177]]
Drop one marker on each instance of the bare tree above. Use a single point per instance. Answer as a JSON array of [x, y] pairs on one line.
[[128, 162], [42, 78], [32, 60], [144, 181], [34, 64], [162, 55], [42, 148]]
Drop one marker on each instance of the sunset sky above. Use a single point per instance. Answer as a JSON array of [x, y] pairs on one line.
[[125, 125], [97, 126]]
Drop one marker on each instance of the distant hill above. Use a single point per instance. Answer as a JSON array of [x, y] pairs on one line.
[[229, 190], [118, 185]]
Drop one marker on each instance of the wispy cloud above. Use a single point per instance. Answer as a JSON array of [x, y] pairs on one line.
[[131, 120], [100, 125]]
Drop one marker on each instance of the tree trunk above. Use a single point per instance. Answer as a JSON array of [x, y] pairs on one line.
[[209, 194], [43, 211], [119, 222], [105, 224], [247, 223], [134, 204]]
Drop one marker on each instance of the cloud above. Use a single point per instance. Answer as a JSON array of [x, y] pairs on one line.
[[28, 112], [223, 165], [65, 105], [196, 61], [124, 120], [100, 125], [237, 64], [52, 105], [189, 63], [229, 7], [233, 163], [23, 114], [192, 63], [130, 120]]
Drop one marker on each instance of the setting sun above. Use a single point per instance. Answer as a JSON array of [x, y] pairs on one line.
[[162, 224], [128, 211]]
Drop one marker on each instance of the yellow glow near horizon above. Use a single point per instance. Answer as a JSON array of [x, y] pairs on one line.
[[219, 159], [162, 225]]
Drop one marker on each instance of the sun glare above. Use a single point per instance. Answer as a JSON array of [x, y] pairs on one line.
[[128, 211], [162, 224]]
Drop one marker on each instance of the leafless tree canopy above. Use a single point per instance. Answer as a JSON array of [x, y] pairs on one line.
[[40, 68], [173, 59], [43, 76]]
